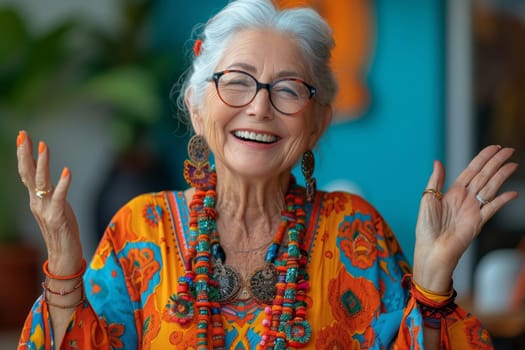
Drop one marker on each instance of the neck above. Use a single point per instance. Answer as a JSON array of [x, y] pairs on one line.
[[251, 191], [249, 208]]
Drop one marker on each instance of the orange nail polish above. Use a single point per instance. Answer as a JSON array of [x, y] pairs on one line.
[[20, 138], [65, 172], [41, 147]]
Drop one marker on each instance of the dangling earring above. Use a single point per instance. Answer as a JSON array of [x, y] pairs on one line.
[[197, 170], [307, 167]]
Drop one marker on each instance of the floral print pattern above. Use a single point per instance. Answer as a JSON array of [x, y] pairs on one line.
[[355, 301]]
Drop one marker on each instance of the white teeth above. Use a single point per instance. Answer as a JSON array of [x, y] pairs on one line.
[[250, 135]]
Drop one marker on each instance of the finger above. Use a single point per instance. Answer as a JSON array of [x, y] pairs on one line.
[[26, 162], [477, 164], [488, 171], [495, 183], [60, 192], [491, 208], [436, 181], [42, 175]]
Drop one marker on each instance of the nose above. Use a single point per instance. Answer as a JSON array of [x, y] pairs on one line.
[[261, 106]]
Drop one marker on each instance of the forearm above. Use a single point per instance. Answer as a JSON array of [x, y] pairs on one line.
[[62, 307], [431, 338], [439, 285], [63, 293]]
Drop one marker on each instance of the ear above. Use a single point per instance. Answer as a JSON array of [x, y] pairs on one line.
[[324, 118], [195, 116]]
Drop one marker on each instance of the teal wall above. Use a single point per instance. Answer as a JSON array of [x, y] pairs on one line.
[[388, 152]]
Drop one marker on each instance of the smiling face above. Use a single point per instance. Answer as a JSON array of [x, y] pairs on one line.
[[256, 140]]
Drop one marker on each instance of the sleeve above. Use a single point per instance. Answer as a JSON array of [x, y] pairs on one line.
[[459, 329], [374, 267], [111, 315], [85, 330]]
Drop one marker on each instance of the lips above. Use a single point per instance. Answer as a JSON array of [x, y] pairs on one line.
[[255, 136]]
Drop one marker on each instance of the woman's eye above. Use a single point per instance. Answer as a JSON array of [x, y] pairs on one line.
[[285, 91], [240, 82]]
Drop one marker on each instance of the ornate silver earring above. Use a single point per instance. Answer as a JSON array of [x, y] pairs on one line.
[[197, 169], [307, 168]]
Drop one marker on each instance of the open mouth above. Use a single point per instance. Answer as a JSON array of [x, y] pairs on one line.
[[255, 137]]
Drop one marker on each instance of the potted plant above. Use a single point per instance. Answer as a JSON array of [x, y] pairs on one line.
[[42, 73], [25, 72]]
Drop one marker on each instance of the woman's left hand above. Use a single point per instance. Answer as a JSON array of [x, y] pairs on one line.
[[448, 224]]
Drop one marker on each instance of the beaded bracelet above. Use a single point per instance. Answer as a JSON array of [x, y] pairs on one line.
[[71, 306], [434, 307], [45, 268], [62, 292]]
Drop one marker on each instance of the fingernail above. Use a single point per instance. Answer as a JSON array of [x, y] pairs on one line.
[[65, 172], [41, 147], [20, 138]]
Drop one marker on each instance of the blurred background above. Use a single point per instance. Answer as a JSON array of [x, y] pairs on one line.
[[419, 81]]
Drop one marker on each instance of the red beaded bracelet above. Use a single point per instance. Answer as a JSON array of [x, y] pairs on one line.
[[70, 306], [62, 291], [45, 268]]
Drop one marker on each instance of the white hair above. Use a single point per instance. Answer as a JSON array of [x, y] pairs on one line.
[[313, 35]]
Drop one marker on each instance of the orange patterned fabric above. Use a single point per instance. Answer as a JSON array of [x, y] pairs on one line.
[[356, 299]]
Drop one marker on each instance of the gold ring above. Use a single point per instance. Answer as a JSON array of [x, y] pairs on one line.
[[435, 192], [42, 193]]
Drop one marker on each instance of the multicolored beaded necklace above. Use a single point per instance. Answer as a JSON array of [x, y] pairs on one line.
[[207, 282]]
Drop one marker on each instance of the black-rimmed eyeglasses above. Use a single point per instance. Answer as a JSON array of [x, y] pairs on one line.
[[237, 88]]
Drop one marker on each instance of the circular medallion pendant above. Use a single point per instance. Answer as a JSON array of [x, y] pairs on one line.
[[180, 309], [229, 282], [262, 284], [298, 333]]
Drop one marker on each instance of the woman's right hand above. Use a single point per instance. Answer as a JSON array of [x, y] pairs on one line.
[[50, 207]]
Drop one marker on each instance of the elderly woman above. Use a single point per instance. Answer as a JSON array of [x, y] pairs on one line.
[[247, 258]]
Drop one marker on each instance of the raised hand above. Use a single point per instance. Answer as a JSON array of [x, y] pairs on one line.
[[50, 208], [448, 223]]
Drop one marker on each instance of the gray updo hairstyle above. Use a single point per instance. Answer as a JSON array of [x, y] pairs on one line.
[[313, 34]]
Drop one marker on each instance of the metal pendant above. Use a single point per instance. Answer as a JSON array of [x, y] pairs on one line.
[[262, 284], [244, 294], [229, 282]]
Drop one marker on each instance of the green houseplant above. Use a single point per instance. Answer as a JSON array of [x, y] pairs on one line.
[[41, 73], [28, 65]]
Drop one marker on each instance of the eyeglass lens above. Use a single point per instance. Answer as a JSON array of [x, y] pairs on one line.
[[288, 96]]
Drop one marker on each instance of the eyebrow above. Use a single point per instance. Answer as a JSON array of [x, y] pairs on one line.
[[251, 69]]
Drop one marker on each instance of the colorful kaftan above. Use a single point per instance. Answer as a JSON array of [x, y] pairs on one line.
[[355, 301]]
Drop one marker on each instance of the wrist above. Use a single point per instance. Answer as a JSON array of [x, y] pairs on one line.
[[64, 274], [434, 307], [433, 274], [63, 294], [433, 283]]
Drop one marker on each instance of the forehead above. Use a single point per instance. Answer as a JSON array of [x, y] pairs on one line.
[[264, 51]]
